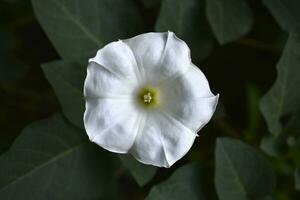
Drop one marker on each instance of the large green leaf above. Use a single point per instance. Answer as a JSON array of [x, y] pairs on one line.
[[141, 173], [192, 182], [187, 20], [67, 80], [53, 160], [282, 100], [229, 19], [285, 12], [78, 28], [241, 174]]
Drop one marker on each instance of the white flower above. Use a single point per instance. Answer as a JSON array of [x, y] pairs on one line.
[[145, 97]]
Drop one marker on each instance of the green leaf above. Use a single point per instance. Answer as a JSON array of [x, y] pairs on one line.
[[53, 160], [67, 79], [229, 19], [10, 68], [297, 178], [241, 174], [285, 12], [187, 20], [140, 172], [79, 28], [282, 100], [192, 182], [274, 145]]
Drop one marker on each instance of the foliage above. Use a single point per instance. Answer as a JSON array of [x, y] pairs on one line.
[[45, 46]]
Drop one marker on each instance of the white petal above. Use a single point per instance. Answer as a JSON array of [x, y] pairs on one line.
[[188, 99], [117, 58], [162, 141], [100, 82], [111, 123], [160, 55]]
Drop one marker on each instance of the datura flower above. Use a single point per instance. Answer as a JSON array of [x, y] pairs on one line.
[[145, 97]]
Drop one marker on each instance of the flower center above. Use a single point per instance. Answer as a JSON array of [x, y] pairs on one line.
[[148, 97]]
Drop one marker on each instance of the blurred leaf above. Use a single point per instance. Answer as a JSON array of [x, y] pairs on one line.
[[79, 28], [241, 174], [188, 182], [67, 80], [53, 160], [229, 19], [284, 97], [285, 12], [10, 67], [220, 111], [140, 172], [187, 20], [297, 178], [274, 145]]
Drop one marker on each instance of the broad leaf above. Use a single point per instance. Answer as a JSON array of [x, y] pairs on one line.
[[187, 20], [78, 28], [274, 145], [67, 80], [282, 100], [229, 19], [241, 174], [140, 172], [192, 182], [285, 12], [53, 160]]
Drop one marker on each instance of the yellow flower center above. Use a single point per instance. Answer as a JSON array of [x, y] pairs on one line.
[[148, 97]]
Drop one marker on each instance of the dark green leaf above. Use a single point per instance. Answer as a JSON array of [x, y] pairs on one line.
[[188, 182], [241, 174], [282, 100], [67, 80], [274, 145], [187, 20], [140, 172], [151, 3], [78, 28], [285, 12], [53, 160], [229, 19]]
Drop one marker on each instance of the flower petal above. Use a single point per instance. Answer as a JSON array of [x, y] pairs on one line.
[[117, 58], [162, 141], [100, 82], [188, 99], [111, 123], [160, 55]]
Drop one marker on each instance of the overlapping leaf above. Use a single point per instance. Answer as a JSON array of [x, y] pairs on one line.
[[229, 19], [241, 174], [53, 160], [282, 100], [79, 28]]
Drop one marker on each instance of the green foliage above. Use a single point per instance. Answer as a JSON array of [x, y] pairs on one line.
[[285, 12], [67, 80], [79, 28], [140, 172], [229, 19], [297, 178], [188, 182], [241, 174], [187, 20], [282, 100], [53, 160]]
